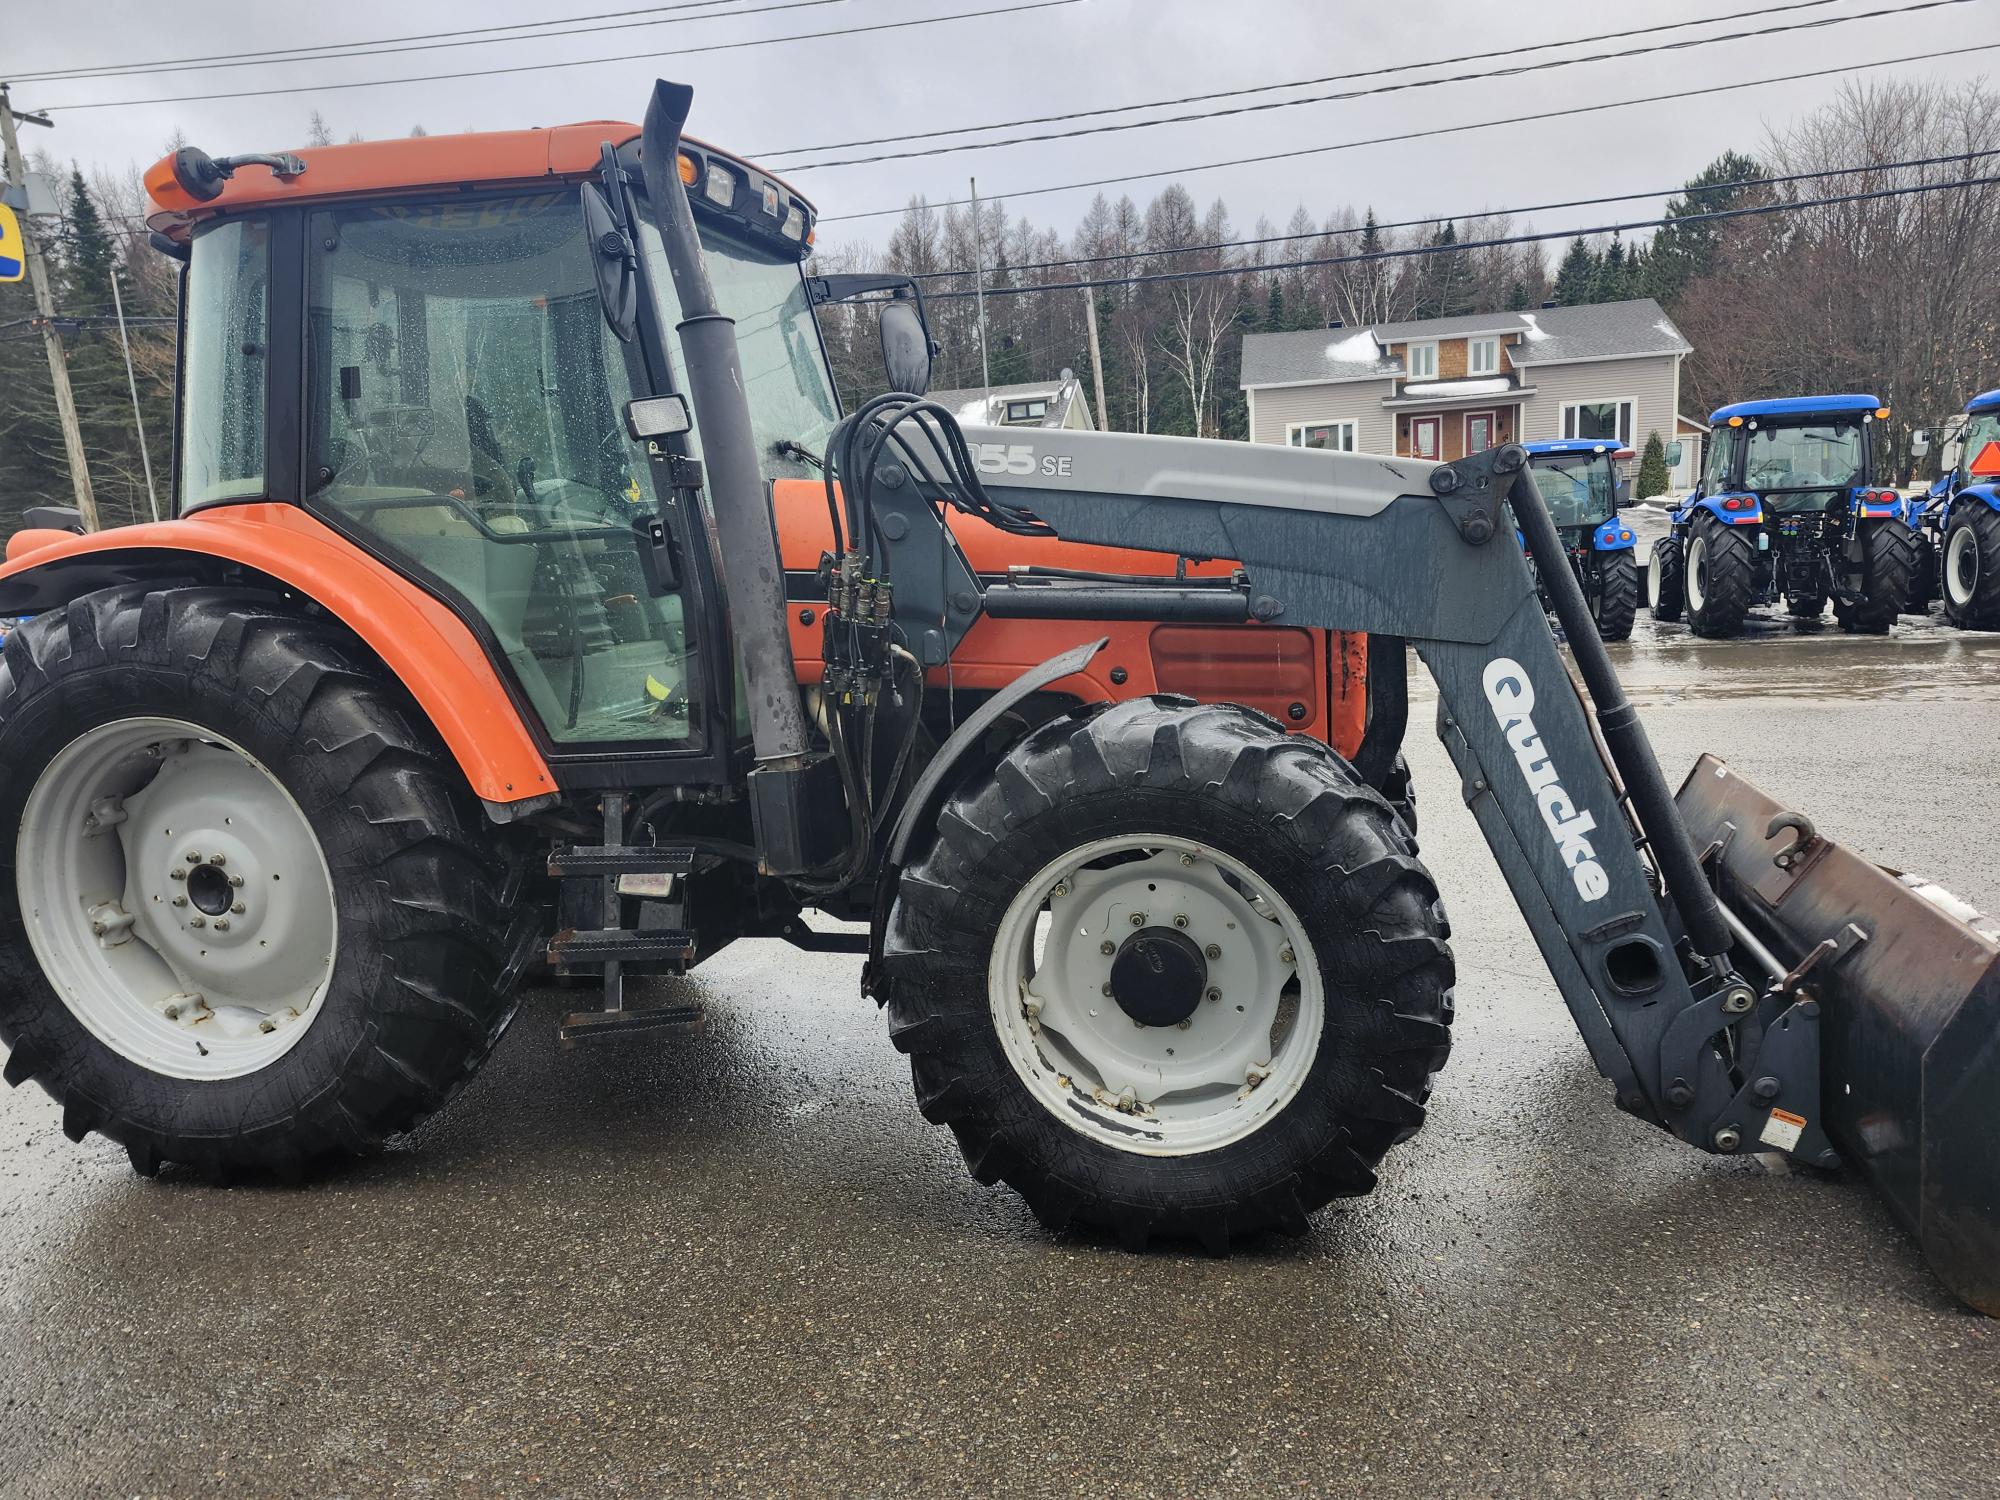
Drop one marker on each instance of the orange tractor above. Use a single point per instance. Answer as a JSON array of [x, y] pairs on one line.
[[531, 596]]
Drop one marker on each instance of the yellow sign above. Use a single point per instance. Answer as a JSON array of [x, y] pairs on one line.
[[13, 254]]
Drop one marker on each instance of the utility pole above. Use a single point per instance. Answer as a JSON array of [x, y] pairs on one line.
[[45, 307], [1096, 358], [979, 288]]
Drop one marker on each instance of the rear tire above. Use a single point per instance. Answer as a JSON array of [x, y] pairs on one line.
[[386, 838], [1721, 577], [1971, 569], [1888, 562], [1616, 602], [1218, 794], [1664, 593]]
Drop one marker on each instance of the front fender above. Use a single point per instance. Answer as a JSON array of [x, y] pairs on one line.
[[428, 649], [1754, 516], [1985, 494]]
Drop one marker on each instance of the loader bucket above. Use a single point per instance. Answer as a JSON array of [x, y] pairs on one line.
[[1910, 1015]]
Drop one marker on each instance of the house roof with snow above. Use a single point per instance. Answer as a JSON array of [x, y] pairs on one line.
[[1031, 403], [1548, 336]]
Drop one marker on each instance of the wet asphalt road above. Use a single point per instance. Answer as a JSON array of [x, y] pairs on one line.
[[745, 1263]]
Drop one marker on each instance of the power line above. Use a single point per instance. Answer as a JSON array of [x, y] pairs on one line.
[[469, 38], [1492, 243], [281, 53], [1297, 83], [1685, 189], [1380, 88], [581, 62], [1418, 135]]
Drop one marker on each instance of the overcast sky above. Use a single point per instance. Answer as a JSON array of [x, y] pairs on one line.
[[771, 99]]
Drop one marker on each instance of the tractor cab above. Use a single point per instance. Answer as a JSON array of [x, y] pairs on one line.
[[1788, 509], [1960, 518], [1579, 482]]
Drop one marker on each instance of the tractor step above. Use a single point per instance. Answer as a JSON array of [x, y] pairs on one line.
[[602, 1025], [585, 950], [620, 859]]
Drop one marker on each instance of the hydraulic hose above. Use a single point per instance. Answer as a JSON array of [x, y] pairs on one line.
[[1624, 735]]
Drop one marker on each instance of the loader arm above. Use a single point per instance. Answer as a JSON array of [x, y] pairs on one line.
[[1406, 548]]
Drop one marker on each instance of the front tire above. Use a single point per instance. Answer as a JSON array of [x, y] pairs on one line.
[[253, 919], [1721, 577], [1294, 1018], [1664, 591], [1971, 570], [1616, 602], [1888, 563]]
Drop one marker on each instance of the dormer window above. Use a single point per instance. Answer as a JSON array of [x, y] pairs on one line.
[[1482, 357], [1423, 362]]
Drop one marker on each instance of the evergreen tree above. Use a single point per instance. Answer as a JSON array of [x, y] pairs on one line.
[[1654, 476], [1681, 251], [1576, 277], [1613, 274], [1274, 308], [1518, 299], [88, 251]]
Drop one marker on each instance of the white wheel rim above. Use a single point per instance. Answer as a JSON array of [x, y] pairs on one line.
[[1237, 1060], [1653, 582], [177, 898], [1697, 573], [1961, 567]]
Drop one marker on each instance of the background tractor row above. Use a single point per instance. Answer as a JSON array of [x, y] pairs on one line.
[[1959, 519], [513, 501]]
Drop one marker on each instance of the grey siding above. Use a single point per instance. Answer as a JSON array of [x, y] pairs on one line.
[[1358, 401], [1650, 384]]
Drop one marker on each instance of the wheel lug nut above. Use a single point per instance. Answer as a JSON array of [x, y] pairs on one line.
[[237, 908], [1213, 995], [1213, 951], [1138, 919], [1181, 920], [180, 901], [1107, 947], [1187, 859], [236, 880], [197, 921], [222, 924], [217, 859], [1285, 955], [1105, 990], [1184, 1025], [1062, 889], [177, 874], [194, 856]]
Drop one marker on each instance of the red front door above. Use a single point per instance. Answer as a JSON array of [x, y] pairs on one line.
[[1480, 430], [1424, 435]]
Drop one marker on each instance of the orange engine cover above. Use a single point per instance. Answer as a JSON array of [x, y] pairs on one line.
[[1313, 681]]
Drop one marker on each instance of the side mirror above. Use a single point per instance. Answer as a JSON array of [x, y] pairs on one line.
[[1920, 442], [616, 263], [1674, 451], [906, 348]]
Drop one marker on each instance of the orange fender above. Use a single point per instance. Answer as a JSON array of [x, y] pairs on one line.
[[428, 648]]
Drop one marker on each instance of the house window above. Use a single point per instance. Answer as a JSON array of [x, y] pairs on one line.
[[1482, 357], [1338, 436], [1027, 411], [1423, 362], [1599, 421]]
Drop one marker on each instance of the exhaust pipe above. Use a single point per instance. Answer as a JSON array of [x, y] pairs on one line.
[[1907, 979]]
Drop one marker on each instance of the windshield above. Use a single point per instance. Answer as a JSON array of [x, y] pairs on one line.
[[1808, 459], [1980, 430], [1576, 488], [777, 339]]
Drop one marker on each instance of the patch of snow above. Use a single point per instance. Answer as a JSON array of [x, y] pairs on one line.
[[1355, 349], [1457, 387], [1536, 333], [1668, 329], [975, 412]]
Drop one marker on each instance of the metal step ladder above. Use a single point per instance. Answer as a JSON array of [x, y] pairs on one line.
[[617, 866]]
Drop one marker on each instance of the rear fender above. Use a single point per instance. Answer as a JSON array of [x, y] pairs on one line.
[[1753, 515], [1614, 536], [1983, 494], [420, 641]]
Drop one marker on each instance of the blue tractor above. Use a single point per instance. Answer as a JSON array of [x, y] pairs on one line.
[[1788, 510], [1961, 516], [1580, 484]]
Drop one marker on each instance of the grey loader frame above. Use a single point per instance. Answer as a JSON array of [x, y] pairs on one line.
[[1638, 948]]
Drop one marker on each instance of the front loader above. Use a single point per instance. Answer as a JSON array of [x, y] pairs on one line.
[[468, 646]]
